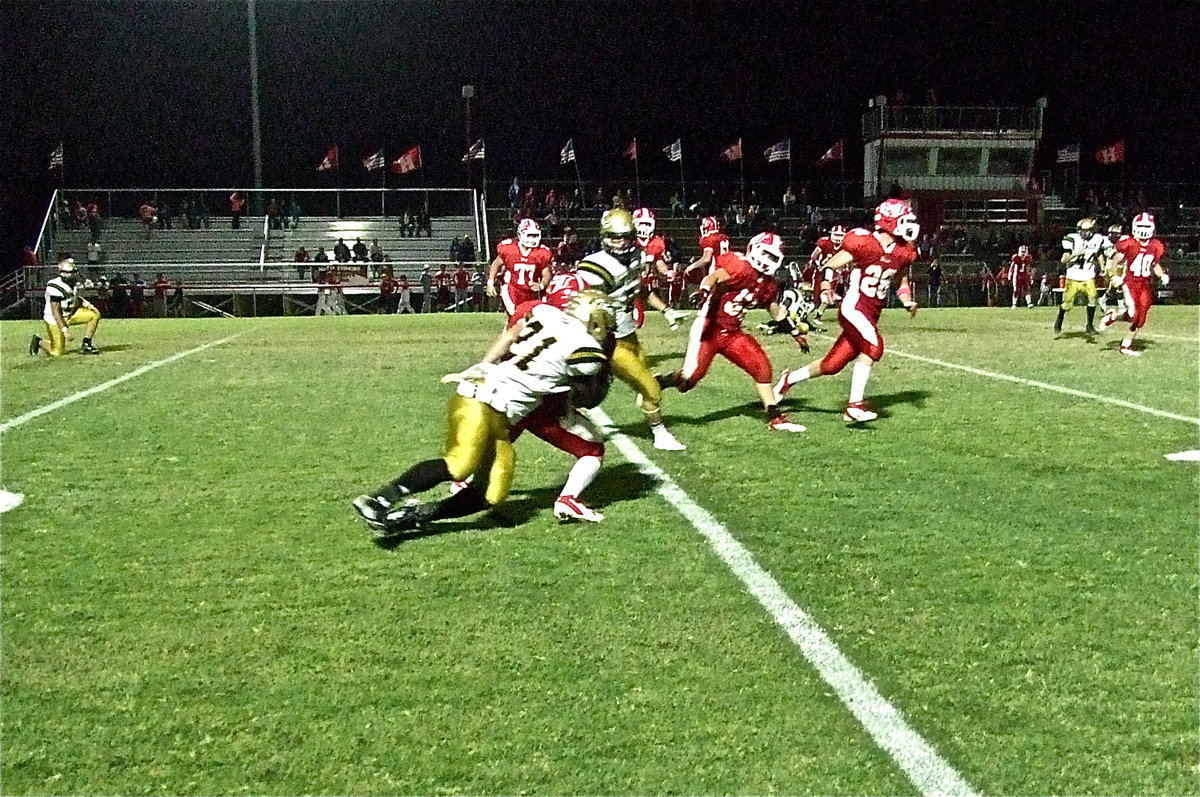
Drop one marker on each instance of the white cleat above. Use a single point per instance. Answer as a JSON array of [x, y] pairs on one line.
[[858, 413], [1130, 352], [781, 424], [1108, 320], [782, 386], [568, 507], [665, 441]]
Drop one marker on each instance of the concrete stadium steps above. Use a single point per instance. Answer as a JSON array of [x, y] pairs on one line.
[[324, 231], [125, 242]]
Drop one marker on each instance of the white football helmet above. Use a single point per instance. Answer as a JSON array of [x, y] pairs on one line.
[[837, 234], [765, 252], [896, 218], [1143, 227], [1022, 250], [709, 225], [643, 221], [529, 234]]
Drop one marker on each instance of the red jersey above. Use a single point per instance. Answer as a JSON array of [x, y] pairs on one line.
[[562, 286], [1140, 259], [651, 279], [1018, 268], [872, 270], [718, 242], [746, 288], [652, 250], [443, 279], [462, 279], [523, 269], [824, 250]]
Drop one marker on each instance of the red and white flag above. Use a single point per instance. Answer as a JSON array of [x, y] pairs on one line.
[[331, 160], [631, 150], [834, 153], [733, 152], [374, 162], [1114, 153], [408, 162]]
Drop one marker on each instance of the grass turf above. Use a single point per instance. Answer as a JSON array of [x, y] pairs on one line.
[[190, 607]]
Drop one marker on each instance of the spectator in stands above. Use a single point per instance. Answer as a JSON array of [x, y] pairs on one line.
[[376, 251], [274, 217], [424, 222], [301, 260], [178, 302], [185, 214], [404, 306], [454, 247], [925, 247], [166, 215], [359, 250], [935, 284], [201, 208], [426, 291], [137, 296], [462, 288], [147, 214], [293, 212], [78, 216], [237, 204], [95, 254], [789, 202], [161, 286], [341, 252], [477, 289], [387, 292], [569, 252], [676, 204], [466, 250], [93, 220], [514, 193], [443, 283]]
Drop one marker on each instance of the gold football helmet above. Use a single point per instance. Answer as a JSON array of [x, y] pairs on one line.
[[593, 309], [1086, 227], [618, 235]]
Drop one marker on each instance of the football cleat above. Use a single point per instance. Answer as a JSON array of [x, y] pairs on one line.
[[1090, 330], [674, 317], [858, 413], [34, 345], [407, 517], [782, 386], [457, 487], [371, 509], [568, 507], [88, 348], [1109, 319], [780, 423], [665, 441], [1130, 351]]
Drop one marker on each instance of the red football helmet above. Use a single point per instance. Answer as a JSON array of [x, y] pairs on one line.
[[709, 225], [1143, 227], [643, 222], [896, 218], [765, 252], [837, 234], [529, 234]]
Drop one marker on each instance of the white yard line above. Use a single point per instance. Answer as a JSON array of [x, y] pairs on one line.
[[1184, 456], [9, 500], [91, 391], [927, 770]]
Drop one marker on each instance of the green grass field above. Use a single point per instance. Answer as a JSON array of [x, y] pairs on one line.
[[191, 607]]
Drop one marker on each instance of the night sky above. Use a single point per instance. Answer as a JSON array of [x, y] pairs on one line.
[[156, 93]]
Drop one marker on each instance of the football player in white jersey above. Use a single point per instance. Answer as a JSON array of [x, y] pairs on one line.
[[1085, 252], [549, 351], [64, 309], [616, 271]]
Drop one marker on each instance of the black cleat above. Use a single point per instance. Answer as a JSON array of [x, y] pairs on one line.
[[373, 511], [35, 345], [1091, 330], [88, 348], [408, 517]]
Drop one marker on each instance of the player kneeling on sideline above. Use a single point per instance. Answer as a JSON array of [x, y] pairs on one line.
[[550, 351], [1140, 255], [875, 259], [64, 309], [737, 283]]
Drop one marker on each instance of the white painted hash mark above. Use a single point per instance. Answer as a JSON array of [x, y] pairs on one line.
[[1184, 456], [100, 388], [927, 770], [9, 500]]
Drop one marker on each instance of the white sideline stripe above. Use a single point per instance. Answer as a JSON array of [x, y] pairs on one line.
[[920, 762], [91, 391], [9, 500], [1070, 391], [1184, 456]]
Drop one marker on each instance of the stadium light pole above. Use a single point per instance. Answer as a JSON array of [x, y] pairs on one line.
[[468, 92], [255, 127]]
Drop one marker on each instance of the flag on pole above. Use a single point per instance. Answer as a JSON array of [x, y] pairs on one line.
[[331, 160], [834, 153], [408, 162], [1069, 154], [474, 152], [56, 157], [779, 152], [631, 150], [568, 152], [1114, 153], [374, 162], [674, 152], [733, 152]]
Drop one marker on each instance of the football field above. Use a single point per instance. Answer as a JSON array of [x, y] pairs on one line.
[[992, 589]]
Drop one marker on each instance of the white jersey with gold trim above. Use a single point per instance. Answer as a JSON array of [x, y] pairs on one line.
[[1090, 255], [621, 282], [551, 351], [57, 290]]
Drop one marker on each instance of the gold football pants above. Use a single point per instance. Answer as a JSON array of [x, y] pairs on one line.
[[477, 443], [1088, 287], [630, 366], [58, 342]]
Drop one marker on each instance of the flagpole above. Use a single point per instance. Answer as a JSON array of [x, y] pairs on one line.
[[842, 165], [682, 183], [789, 185], [637, 176], [337, 173], [383, 186], [742, 166]]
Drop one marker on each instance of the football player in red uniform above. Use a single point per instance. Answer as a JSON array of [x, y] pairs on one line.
[[1018, 276], [713, 244], [525, 261], [823, 278], [1141, 255], [875, 258], [653, 249], [736, 284]]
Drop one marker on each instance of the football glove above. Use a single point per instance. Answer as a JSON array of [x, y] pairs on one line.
[[802, 342], [1166, 278]]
